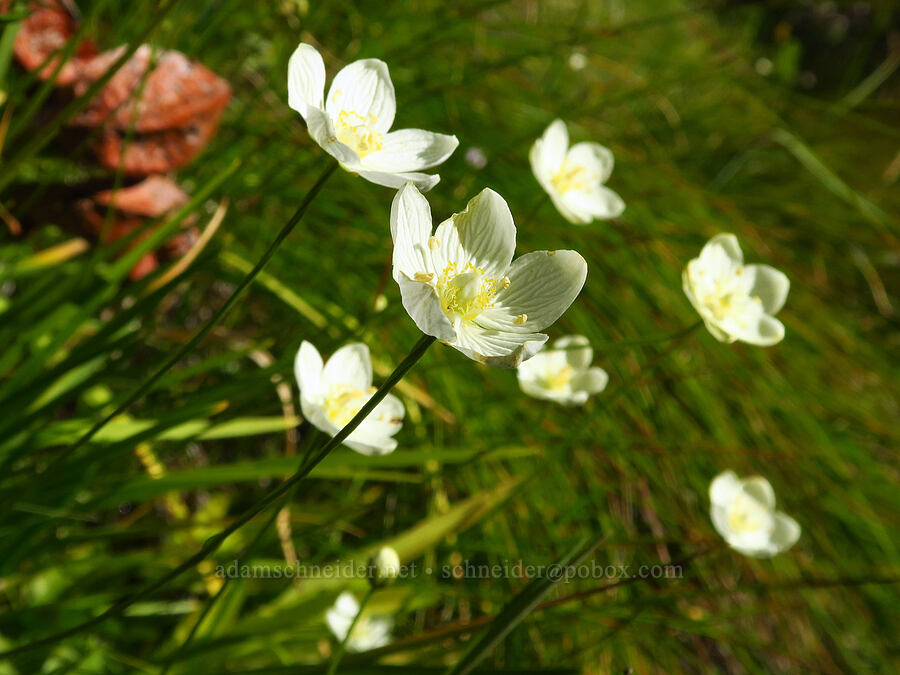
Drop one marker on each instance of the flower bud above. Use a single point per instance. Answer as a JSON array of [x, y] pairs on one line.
[[384, 567]]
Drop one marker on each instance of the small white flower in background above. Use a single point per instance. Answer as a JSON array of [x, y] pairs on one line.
[[461, 284], [370, 632], [743, 512], [577, 61], [563, 373], [386, 564], [735, 301], [353, 123], [574, 177], [332, 393]]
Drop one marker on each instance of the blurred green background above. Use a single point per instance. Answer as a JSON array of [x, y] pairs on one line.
[[775, 121]]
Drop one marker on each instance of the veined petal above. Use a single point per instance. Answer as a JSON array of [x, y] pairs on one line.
[[542, 286], [306, 79], [411, 150], [495, 348], [763, 331], [423, 181], [410, 231], [370, 444], [577, 350], [364, 87], [349, 365], [600, 202], [759, 489], [308, 367], [728, 242], [549, 151], [724, 488], [770, 285], [786, 532], [596, 158], [591, 381], [570, 210], [483, 234], [421, 303], [322, 131]]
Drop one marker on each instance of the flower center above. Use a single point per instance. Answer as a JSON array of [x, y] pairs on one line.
[[747, 515], [467, 294], [356, 132], [343, 402], [571, 177], [558, 380], [725, 296]]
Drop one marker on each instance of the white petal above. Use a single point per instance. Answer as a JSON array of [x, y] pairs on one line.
[[763, 331], [770, 286], [786, 532], [423, 181], [542, 286], [499, 349], [411, 150], [549, 151], [571, 210], [364, 87], [576, 349], [322, 131], [423, 306], [760, 489], [591, 381], [483, 234], [596, 158], [730, 244], [724, 488], [600, 202], [718, 333], [350, 365], [719, 516], [346, 605], [370, 444], [306, 79], [308, 370], [410, 230]]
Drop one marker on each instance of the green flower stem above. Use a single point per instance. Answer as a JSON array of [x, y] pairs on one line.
[[342, 647], [212, 544], [209, 325]]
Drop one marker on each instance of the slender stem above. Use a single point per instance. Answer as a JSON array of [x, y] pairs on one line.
[[342, 647], [209, 325], [213, 543]]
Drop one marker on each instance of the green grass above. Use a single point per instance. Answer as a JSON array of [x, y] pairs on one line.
[[703, 144]]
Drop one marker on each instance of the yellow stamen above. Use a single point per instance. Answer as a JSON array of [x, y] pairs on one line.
[[434, 243], [521, 319], [356, 132], [423, 277], [505, 282]]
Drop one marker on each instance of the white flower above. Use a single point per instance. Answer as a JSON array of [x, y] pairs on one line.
[[459, 286], [387, 564], [563, 373], [743, 512], [368, 633], [574, 177], [331, 394], [352, 124], [736, 301]]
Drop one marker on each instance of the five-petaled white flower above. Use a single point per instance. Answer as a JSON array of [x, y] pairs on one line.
[[368, 633], [735, 301], [332, 393], [563, 373], [459, 286], [574, 177], [743, 512], [353, 123]]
